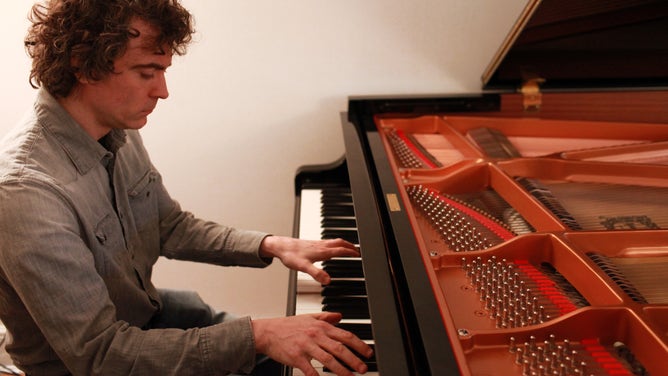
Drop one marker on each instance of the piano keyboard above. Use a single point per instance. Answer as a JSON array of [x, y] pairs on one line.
[[326, 214]]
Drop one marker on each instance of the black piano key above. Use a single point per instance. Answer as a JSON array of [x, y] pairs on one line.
[[329, 196], [344, 287], [361, 330], [343, 263], [351, 301], [371, 366], [334, 204], [341, 189], [337, 211], [344, 268], [333, 200], [336, 197], [349, 313], [344, 273], [329, 222], [349, 308], [335, 191], [349, 235]]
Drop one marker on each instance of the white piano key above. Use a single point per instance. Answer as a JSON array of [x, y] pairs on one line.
[[310, 229], [309, 214]]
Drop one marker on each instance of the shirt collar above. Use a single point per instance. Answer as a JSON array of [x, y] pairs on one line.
[[84, 151]]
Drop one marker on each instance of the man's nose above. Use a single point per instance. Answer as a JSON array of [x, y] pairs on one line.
[[160, 89]]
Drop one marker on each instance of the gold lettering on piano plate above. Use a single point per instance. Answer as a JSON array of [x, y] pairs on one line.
[[393, 202]]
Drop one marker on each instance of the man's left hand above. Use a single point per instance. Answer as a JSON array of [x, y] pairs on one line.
[[299, 254]]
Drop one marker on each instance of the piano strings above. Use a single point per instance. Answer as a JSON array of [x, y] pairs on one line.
[[643, 279], [409, 152], [489, 202], [547, 199], [602, 206], [584, 205], [422, 150], [493, 142]]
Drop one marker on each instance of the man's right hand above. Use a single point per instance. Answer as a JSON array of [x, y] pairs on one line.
[[295, 340]]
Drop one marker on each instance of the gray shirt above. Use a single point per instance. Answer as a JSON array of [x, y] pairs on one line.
[[78, 240]]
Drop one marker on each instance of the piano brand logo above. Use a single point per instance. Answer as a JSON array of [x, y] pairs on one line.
[[629, 222], [393, 202]]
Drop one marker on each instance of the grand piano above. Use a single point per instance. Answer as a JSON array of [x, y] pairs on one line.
[[520, 231]]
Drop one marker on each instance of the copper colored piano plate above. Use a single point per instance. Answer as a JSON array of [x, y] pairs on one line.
[[541, 284], [649, 153], [534, 137], [542, 146]]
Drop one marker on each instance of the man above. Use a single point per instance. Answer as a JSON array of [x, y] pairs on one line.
[[84, 216]]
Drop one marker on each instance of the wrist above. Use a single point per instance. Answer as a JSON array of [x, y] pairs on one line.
[[267, 247], [259, 337]]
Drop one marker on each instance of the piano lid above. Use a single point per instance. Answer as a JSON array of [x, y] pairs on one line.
[[585, 44]]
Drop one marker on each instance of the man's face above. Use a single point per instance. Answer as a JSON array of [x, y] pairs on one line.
[[125, 98]]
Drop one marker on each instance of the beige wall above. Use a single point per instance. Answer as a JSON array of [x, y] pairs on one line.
[[259, 94]]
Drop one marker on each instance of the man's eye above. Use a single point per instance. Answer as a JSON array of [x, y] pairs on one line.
[[147, 75]]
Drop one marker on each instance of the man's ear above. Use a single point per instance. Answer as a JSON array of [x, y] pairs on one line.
[[75, 63], [81, 78]]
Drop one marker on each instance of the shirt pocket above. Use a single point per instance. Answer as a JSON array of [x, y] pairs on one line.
[[113, 258], [143, 188], [143, 200]]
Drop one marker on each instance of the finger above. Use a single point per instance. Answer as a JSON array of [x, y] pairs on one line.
[[306, 367], [340, 242], [317, 274], [351, 341], [343, 354], [328, 253], [351, 252], [330, 317], [343, 336], [346, 245], [332, 363]]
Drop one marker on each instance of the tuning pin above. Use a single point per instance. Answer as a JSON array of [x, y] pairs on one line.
[[519, 355], [511, 344]]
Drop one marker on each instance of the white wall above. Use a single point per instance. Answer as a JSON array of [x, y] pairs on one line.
[[259, 94]]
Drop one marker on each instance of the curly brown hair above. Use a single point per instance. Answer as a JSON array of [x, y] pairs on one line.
[[84, 37]]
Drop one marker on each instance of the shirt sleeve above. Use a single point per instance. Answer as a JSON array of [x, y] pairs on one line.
[[182, 235], [55, 283], [186, 237]]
